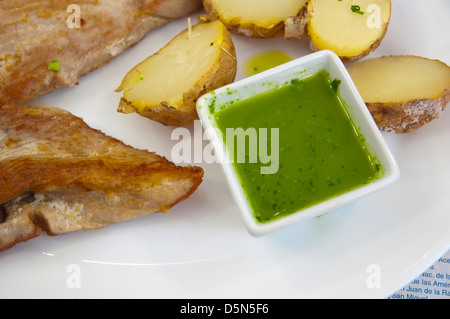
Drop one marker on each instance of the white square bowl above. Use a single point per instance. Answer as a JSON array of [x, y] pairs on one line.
[[300, 68]]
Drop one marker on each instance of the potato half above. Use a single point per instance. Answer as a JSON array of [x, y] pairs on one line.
[[351, 31], [254, 18], [165, 86], [402, 92]]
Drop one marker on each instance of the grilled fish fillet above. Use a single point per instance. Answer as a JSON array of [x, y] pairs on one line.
[[58, 175], [33, 33]]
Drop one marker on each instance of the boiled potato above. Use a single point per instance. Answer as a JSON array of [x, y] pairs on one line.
[[349, 30], [254, 18], [165, 86], [402, 92]]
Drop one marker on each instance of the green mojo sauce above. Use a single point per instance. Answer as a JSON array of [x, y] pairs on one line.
[[263, 61], [320, 152]]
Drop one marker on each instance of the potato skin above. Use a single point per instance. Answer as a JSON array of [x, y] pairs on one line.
[[223, 72], [350, 59], [162, 113], [405, 117], [295, 27], [248, 30]]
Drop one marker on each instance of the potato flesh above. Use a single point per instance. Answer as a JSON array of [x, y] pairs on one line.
[[175, 69], [263, 13], [400, 78], [334, 26]]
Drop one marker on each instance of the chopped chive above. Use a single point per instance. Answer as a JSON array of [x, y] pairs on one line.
[[298, 85], [335, 84], [54, 66], [357, 9]]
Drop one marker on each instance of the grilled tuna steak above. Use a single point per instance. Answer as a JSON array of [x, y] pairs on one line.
[[34, 33], [58, 175]]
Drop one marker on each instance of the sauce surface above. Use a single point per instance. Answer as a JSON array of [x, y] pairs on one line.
[[263, 61], [321, 154]]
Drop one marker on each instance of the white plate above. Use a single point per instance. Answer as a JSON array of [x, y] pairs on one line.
[[201, 249]]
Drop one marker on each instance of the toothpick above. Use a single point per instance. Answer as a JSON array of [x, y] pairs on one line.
[[189, 28]]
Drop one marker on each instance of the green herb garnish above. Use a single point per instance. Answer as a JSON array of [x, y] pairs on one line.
[[140, 77], [298, 85], [357, 9], [54, 66], [335, 84]]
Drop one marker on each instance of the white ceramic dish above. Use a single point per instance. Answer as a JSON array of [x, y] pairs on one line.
[[297, 69], [201, 248]]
